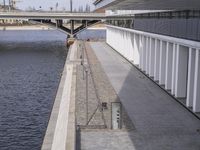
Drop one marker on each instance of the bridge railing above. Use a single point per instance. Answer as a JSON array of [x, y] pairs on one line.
[[42, 11], [173, 63]]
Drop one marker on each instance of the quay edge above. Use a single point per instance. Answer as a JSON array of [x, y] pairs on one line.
[[62, 117]]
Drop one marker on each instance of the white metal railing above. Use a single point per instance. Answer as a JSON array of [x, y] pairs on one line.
[[184, 42], [173, 62]]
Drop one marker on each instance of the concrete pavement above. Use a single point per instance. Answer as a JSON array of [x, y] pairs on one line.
[[98, 133], [160, 121]]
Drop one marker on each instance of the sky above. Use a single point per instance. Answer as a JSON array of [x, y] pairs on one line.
[[46, 4]]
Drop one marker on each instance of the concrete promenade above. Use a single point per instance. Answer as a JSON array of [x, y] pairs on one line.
[[161, 123], [98, 133]]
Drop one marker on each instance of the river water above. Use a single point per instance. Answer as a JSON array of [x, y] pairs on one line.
[[31, 63]]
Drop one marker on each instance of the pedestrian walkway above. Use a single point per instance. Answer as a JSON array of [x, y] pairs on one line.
[[94, 123], [161, 122]]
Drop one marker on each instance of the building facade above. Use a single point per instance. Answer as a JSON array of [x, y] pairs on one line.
[[11, 21], [162, 43]]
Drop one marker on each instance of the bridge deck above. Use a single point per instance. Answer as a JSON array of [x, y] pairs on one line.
[[58, 15], [160, 121]]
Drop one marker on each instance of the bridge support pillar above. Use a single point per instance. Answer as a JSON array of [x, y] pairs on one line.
[[72, 26], [70, 40]]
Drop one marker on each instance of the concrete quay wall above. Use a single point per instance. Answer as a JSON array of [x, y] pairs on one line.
[[61, 131]]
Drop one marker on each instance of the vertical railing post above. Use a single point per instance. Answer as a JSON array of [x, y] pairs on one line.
[[86, 71]]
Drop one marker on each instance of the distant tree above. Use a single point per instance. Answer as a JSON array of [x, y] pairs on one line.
[[87, 8], [80, 9], [63, 9], [30, 8], [40, 8], [56, 6], [51, 8]]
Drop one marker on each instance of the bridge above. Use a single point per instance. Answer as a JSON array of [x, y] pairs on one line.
[[55, 19], [147, 4]]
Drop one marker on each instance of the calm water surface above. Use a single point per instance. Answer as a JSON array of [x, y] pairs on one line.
[[31, 63]]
